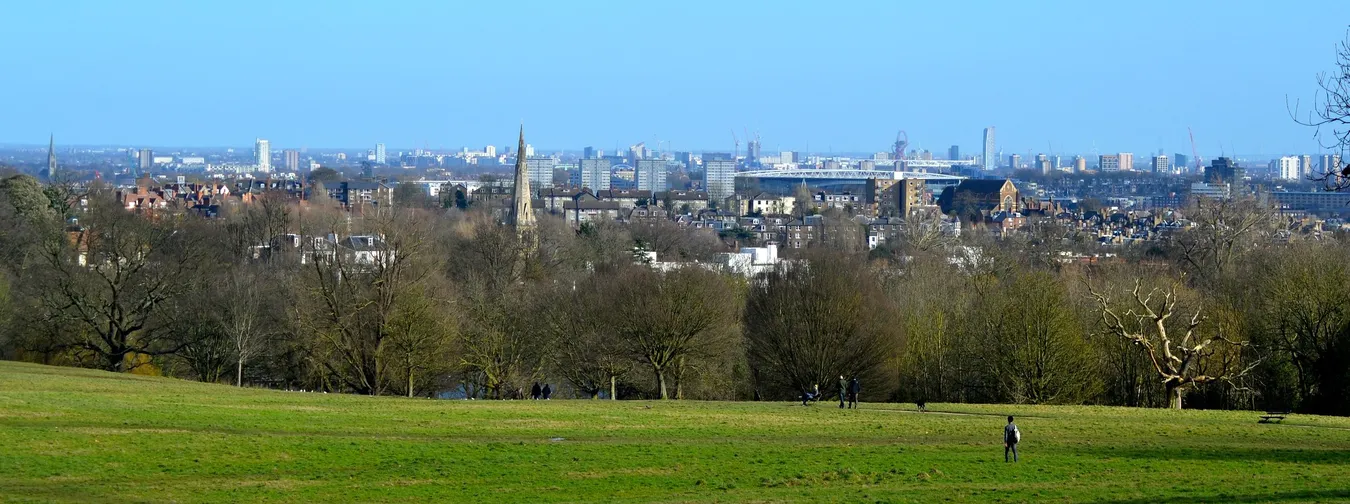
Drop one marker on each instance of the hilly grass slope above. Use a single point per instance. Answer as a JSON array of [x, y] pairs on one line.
[[71, 435]]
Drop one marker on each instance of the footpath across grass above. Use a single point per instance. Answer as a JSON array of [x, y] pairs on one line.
[[69, 435]]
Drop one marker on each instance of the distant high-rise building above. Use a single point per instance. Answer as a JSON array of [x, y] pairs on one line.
[[146, 161], [1286, 167], [752, 151], [379, 154], [1181, 162], [1223, 170], [541, 170], [1126, 161], [651, 175], [1325, 165], [262, 155], [1305, 166], [990, 154], [954, 153], [292, 158], [1108, 162], [1161, 165], [490, 150], [787, 157], [719, 177], [529, 151], [588, 153], [1014, 161], [51, 158], [1079, 164], [594, 174], [637, 151]]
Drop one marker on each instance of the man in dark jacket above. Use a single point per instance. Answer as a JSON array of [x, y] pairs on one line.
[[843, 391], [1011, 436], [534, 391], [547, 392], [853, 389]]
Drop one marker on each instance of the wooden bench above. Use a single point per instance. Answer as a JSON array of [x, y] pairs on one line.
[[1273, 416]]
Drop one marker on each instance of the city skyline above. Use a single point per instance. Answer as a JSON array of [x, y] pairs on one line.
[[844, 91]]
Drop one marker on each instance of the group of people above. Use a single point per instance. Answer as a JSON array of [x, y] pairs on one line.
[[848, 393], [848, 398], [544, 393]]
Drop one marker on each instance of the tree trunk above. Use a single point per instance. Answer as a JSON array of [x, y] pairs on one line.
[[613, 388], [661, 380], [1173, 395], [410, 383], [239, 373]]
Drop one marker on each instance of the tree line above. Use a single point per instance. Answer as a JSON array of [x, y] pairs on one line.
[[1229, 313]]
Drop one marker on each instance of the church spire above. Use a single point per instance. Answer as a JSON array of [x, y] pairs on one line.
[[522, 212], [51, 157]]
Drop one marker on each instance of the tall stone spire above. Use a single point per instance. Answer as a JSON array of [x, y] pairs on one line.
[[522, 213], [51, 158]]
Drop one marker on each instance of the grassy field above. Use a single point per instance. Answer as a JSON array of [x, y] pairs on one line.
[[88, 436]]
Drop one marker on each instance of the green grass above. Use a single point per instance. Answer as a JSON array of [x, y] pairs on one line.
[[87, 436]]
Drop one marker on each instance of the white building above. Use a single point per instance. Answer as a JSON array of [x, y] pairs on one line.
[[262, 155], [1161, 164], [379, 153], [1287, 168], [719, 178]]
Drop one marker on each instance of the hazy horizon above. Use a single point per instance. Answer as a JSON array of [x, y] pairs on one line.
[[1061, 77]]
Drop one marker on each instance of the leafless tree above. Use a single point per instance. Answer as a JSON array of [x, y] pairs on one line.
[[1330, 115], [1180, 360], [820, 319], [1223, 230]]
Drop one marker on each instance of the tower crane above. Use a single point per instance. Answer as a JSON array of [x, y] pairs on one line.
[[1199, 168]]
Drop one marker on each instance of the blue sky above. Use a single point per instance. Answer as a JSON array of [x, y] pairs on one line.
[[841, 76]]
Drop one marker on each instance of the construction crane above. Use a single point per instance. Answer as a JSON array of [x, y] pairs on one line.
[[1199, 168], [736, 145]]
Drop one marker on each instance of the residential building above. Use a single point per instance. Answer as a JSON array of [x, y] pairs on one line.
[[541, 171], [682, 202], [627, 199], [292, 160], [1161, 164], [1108, 163], [379, 154], [593, 174], [1305, 166], [145, 161], [719, 178], [588, 153], [1224, 170], [1333, 201], [262, 155], [651, 175], [360, 194], [1287, 168], [1126, 161]]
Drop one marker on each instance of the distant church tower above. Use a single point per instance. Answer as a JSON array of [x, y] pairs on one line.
[[51, 158], [522, 213]]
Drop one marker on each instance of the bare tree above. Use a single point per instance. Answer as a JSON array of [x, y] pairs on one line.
[[671, 318], [243, 320], [813, 321], [1181, 360], [591, 354], [1330, 115], [1223, 230]]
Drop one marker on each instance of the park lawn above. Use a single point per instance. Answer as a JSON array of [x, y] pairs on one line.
[[70, 435]]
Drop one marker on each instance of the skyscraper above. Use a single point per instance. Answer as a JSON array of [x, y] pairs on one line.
[[379, 153], [145, 161], [522, 213], [954, 153], [1305, 166], [651, 175], [594, 174], [541, 170], [51, 158], [719, 177], [1126, 161], [588, 153], [1181, 162], [1015, 161], [292, 158], [262, 155], [1161, 165], [1286, 167], [1223, 170], [990, 154]]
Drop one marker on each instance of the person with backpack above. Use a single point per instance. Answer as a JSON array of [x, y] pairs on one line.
[[853, 389], [1011, 436], [843, 391]]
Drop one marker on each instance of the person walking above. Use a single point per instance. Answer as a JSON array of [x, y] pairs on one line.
[[853, 389], [843, 391], [547, 392], [1011, 436], [534, 391]]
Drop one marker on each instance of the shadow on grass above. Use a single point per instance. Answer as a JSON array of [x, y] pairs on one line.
[[1338, 495], [1222, 454]]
